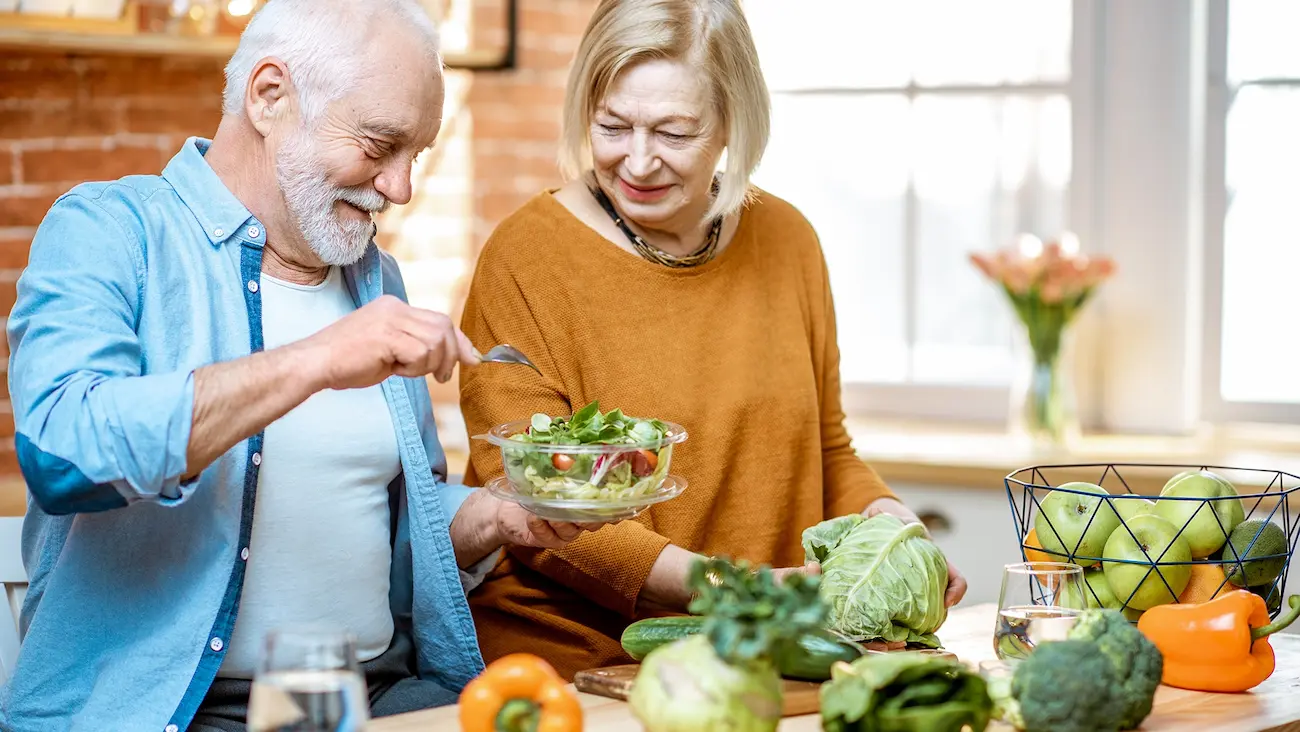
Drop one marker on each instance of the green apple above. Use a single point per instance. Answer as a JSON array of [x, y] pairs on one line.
[[1131, 504], [1075, 524], [1096, 594], [1211, 521], [1139, 585]]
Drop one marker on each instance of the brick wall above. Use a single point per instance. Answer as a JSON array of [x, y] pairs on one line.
[[64, 120]]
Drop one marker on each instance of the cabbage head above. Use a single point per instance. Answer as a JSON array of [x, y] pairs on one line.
[[883, 579]]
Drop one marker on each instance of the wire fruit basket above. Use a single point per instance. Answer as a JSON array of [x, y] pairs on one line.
[[1199, 538]]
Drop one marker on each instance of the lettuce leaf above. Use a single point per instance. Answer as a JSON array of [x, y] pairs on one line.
[[905, 692], [883, 579]]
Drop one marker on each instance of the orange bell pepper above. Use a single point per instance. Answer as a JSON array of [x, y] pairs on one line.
[[519, 693], [1221, 645]]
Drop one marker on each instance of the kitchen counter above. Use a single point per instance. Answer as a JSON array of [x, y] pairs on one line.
[[1273, 706], [981, 456]]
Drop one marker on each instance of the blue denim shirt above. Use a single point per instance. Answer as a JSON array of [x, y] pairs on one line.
[[135, 576]]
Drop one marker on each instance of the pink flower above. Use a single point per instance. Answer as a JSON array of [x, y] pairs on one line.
[[1057, 273], [1019, 277], [986, 266]]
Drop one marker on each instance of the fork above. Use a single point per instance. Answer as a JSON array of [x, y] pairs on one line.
[[506, 353]]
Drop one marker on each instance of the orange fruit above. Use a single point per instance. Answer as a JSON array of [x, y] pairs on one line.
[[1036, 554], [1207, 583]]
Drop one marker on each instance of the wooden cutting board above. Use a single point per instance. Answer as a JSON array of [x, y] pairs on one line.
[[615, 682], [798, 697]]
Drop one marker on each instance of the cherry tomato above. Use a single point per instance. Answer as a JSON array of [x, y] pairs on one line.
[[644, 462], [561, 462]]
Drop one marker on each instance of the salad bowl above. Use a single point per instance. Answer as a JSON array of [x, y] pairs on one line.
[[590, 466], [578, 510]]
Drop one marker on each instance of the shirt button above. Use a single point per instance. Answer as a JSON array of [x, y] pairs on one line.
[[216, 644], [218, 232], [243, 554], [171, 728], [253, 231], [252, 285], [257, 458]]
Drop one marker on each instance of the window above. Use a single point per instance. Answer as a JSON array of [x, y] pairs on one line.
[[1252, 349], [911, 134]]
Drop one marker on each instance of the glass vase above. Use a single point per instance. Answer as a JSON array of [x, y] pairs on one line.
[[1044, 406]]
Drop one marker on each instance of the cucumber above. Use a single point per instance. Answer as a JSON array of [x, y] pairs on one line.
[[810, 660], [644, 636]]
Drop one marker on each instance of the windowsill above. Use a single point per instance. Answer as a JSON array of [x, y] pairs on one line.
[[981, 456]]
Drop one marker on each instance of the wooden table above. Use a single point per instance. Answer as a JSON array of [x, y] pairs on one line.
[[1271, 706]]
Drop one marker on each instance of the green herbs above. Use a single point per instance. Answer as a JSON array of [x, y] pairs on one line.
[[904, 692], [883, 579], [749, 615], [725, 677], [589, 427], [594, 469]]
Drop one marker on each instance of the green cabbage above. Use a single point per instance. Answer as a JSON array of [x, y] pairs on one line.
[[686, 686], [882, 579]]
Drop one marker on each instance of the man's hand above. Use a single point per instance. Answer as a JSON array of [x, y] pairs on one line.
[[485, 523], [956, 582], [387, 337], [236, 399]]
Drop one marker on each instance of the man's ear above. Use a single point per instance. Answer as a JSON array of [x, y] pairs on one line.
[[269, 94]]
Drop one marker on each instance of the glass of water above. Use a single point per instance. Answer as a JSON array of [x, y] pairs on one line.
[[1039, 602], [309, 681]]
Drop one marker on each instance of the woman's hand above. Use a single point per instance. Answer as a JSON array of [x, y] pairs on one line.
[[956, 582], [810, 568]]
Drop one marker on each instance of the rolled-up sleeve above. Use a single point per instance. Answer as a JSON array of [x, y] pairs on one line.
[[93, 431]]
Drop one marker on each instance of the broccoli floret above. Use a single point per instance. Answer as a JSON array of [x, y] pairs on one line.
[[1064, 686], [1137, 662]]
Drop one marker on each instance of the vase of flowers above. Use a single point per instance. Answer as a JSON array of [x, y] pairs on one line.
[[1047, 285]]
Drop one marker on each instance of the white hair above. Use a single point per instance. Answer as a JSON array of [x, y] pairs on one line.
[[323, 44]]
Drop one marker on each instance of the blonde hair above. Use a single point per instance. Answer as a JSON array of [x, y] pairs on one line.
[[711, 35]]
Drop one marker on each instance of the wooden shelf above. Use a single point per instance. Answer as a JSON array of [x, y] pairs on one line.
[[20, 32], [151, 44]]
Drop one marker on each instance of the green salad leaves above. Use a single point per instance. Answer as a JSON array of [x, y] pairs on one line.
[[883, 579], [588, 426], [905, 692], [599, 475]]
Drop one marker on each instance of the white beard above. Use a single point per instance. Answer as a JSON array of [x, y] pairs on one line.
[[310, 198]]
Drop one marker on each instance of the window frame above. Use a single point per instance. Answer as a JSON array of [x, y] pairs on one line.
[[980, 403], [1219, 96], [1147, 357]]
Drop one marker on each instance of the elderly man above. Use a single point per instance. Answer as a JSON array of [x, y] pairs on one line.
[[221, 409]]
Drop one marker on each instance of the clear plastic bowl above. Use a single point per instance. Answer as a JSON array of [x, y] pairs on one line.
[[618, 477], [578, 510]]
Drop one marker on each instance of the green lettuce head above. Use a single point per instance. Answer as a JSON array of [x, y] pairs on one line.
[[882, 579]]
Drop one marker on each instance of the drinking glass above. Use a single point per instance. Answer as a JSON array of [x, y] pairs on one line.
[[1039, 602], [308, 681]]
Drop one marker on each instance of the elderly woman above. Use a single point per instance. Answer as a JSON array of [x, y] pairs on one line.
[[654, 285]]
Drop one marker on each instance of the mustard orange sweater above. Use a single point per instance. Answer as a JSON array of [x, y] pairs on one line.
[[740, 351]]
